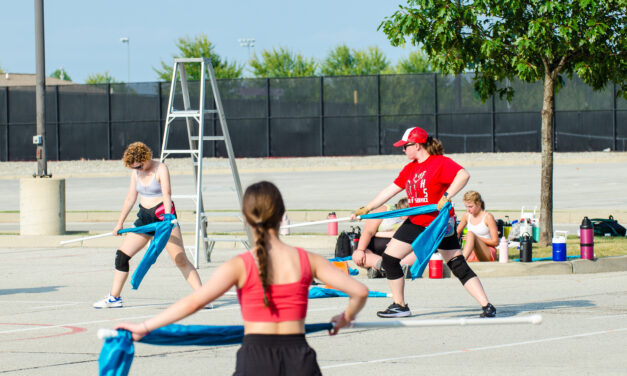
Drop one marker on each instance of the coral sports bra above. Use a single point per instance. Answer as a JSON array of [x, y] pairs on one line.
[[288, 301]]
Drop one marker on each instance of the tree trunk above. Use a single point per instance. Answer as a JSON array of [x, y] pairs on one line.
[[546, 182]]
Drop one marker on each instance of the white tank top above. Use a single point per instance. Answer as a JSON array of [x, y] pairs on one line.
[[481, 230]]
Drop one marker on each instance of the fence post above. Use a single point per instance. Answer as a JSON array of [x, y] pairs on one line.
[[493, 121], [6, 118], [57, 121], [435, 105], [379, 114], [321, 116], [108, 88], [268, 119], [159, 115], [614, 123]]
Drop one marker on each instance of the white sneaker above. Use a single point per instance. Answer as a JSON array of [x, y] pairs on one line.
[[109, 302]]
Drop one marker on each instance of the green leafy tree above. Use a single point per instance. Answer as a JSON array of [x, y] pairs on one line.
[[416, 62], [1, 69], [282, 63], [532, 40], [343, 61], [61, 74], [199, 46], [100, 78]]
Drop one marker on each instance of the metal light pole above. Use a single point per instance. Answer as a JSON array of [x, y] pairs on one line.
[[247, 42], [40, 90], [128, 57]]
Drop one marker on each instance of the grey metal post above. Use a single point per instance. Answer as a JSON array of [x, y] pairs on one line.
[[379, 114], [40, 88], [493, 123], [321, 116], [57, 118], [108, 88], [435, 104], [268, 119], [160, 112], [6, 118], [614, 123]]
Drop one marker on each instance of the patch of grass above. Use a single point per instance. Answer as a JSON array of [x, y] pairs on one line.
[[603, 247]]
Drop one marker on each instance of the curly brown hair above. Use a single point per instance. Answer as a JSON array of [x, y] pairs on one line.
[[137, 152]]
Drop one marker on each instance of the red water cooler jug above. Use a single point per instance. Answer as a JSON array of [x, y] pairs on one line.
[[436, 264]]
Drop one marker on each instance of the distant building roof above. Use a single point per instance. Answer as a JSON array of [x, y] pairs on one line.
[[24, 79]]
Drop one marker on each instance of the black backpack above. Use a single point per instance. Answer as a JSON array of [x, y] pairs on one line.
[[603, 227], [346, 242]]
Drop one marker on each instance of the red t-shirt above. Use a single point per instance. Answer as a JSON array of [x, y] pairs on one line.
[[426, 182]]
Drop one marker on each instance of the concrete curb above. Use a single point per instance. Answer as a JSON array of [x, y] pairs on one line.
[[297, 216], [326, 244], [519, 269]]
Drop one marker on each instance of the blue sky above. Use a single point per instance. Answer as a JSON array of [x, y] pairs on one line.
[[84, 36]]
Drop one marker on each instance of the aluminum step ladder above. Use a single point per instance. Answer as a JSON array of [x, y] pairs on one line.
[[196, 117]]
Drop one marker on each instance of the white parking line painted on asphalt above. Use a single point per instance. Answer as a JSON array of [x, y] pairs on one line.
[[550, 339]]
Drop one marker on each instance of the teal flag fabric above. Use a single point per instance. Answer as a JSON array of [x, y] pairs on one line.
[[321, 292], [427, 242], [117, 353], [162, 232]]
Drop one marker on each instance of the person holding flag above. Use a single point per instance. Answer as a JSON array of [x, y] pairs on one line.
[[151, 181], [272, 281], [430, 178]]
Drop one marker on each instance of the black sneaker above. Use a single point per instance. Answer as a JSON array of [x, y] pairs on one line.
[[488, 311], [395, 310]]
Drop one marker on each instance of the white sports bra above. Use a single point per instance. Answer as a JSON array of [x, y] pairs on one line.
[[481, 229], [153, 189]]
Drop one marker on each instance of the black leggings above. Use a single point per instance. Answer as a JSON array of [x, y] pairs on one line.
[[276, 355], [377, 245]]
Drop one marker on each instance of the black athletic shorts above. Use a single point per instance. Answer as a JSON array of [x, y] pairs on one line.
[[377, 245], [148, 216], [408, 232], [276, 355]]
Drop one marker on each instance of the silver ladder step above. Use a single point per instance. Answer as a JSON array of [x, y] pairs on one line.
[[208, 138], [180, 151], [189, 113], [227, 238]]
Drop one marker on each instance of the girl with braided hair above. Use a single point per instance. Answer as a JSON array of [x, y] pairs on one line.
[[272, 281]]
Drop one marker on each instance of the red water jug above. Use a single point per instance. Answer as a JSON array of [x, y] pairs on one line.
[[435, 266]]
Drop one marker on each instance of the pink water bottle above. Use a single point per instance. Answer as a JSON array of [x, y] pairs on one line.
[[332, 226], [586, 239], [503, 250], [435, 266]]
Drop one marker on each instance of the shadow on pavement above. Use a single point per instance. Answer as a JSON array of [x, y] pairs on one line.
[[30, 290]]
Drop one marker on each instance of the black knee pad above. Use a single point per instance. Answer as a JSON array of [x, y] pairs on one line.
[[460, 269], [392, 267], [121, 261]]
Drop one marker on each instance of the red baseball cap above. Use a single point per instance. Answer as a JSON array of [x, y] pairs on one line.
[[416, 135]]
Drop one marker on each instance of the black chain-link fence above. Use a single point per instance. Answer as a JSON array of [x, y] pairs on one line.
[[313, 116]]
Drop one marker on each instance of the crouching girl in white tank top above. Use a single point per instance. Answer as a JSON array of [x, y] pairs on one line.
[[482, 236]]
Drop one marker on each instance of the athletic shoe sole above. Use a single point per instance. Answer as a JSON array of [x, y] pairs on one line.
[[396, 314]]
